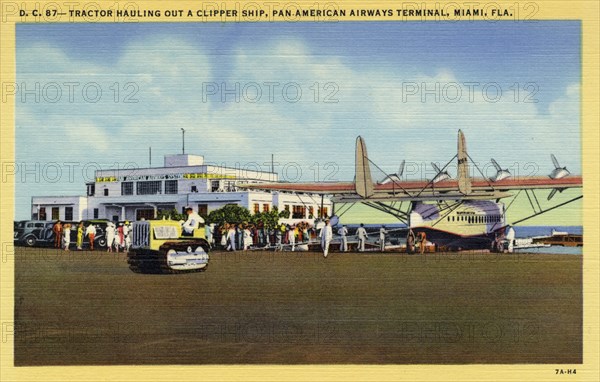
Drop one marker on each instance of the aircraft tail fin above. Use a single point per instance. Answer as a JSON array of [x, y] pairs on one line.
[[363, 183], [464, 178]]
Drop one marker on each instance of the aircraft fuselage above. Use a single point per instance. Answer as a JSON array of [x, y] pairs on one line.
[[471, 224]]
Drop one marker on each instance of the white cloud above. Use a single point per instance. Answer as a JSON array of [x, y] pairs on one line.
[[170, 74]]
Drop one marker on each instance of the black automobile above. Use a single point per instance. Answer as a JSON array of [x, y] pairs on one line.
[[33, 232], [100, 237], [40, 233]]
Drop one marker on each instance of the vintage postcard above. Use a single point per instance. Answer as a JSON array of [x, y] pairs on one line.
[[299, 190]]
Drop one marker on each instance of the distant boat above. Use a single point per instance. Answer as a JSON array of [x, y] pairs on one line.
[[560, 238], [528, 243]]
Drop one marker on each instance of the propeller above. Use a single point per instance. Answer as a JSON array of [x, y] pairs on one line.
[[558, 172], [401, 168], [500, 172], [554, 191], [394, 177], [440, 175]]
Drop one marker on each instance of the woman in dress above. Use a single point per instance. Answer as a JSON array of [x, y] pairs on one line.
[[66, 236], [80, 232], [110, 236]]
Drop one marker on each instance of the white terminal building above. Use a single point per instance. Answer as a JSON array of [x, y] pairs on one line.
[[184, 180]]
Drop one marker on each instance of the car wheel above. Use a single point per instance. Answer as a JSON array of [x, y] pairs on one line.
[[101, 242], [30, 241]]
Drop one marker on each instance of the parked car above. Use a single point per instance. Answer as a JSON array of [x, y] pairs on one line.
[[99, 239], [33, 232], [40, 233]]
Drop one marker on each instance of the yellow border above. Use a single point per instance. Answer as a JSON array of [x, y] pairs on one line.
[[587, 11]]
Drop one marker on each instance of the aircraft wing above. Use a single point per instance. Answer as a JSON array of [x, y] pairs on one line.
[[412, 187], [393, 188], [320, 188]]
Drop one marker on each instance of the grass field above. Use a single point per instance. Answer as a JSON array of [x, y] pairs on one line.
[[83, 308]]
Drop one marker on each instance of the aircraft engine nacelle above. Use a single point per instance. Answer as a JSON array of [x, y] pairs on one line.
[[558, 172], [500, 172], [441, 176]]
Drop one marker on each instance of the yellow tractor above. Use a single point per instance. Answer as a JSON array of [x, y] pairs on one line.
[[159, 246]]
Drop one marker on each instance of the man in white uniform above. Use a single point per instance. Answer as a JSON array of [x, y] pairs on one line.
[[343, 232], [291, 237], [382, 233], [510, 238], [192, 222], [361, 234], [326, 236], [127, 229]]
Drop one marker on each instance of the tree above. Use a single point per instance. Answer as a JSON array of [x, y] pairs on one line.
[[269, 219], [171, 214], [284, 214], [230, 213]]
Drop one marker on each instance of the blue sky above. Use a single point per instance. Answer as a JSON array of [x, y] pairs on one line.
[[371, 65]]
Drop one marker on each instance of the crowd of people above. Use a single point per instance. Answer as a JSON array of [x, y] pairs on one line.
[[242, 236], [238, 236], [117, 237]]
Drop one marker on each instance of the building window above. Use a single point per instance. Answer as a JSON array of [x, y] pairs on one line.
[[170, 186], [105, 191], [311, 212], [55, 213], [215, 185], [265, 207], [323, 212], [127, 188], [68, 213], [145, 213], [42, 214], [203, 209], [298, 212], [256, 208], [231, 187], [96, 213], [194, 189], [152, 187], [91, 189]]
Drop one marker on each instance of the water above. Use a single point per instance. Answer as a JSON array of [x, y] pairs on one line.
[[529, 231]]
